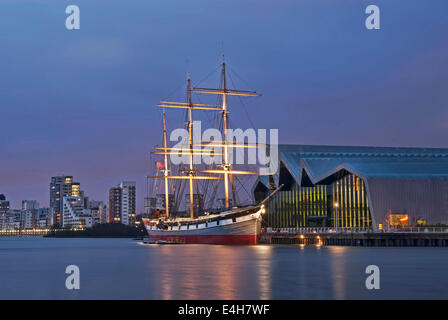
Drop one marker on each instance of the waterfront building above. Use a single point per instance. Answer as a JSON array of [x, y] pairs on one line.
[[74, 214], [61, 186], [128, 202], [122, 203], [14, 216], [95, 208], [4, 208], [27, 219], [114, 205], [356, 187], [91, 213], [30, 210], [104, 217], [10, 220], [44, 215], [4, 204], [30, 205], [50, 218]]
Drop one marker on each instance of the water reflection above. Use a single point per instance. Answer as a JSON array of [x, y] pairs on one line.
[[124, 269], [338, 271], [264, 270], [212, 272]]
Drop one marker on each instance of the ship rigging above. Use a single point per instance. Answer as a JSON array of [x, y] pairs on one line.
[[225, 172], [229, 225]]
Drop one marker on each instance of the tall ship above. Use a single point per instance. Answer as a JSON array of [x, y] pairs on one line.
[[224, 221]]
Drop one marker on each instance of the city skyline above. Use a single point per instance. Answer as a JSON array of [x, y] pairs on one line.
[[116, 73], [19, 203], [70, 207]]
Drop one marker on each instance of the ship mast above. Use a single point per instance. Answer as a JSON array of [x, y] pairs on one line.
[[190, 141], [165, 173], [191, 173], [226, 165], [227, 172]]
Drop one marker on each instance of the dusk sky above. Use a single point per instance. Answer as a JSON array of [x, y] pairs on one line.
[[82, 102]]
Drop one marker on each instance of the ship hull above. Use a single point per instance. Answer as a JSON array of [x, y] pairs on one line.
[[240, 231]]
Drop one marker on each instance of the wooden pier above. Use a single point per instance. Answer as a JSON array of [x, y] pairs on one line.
[[365, 238]]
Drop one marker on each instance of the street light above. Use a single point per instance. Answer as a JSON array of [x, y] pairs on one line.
[[336, 205]]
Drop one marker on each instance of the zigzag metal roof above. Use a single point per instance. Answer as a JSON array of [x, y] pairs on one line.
[[369, 162]]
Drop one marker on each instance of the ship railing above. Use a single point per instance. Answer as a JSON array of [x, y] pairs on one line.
[[318, 230], [421, 229], [330, 230]]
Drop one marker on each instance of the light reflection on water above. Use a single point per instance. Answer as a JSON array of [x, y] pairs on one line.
[[34, 268], [213, 272], [264, 271], [339, 270]]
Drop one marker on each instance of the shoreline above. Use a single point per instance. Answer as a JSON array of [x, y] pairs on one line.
[[109, 230]]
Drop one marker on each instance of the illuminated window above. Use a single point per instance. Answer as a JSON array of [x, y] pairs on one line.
[[398, 220], [422, 222]]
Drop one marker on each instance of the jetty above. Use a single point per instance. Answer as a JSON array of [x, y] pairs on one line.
[[363, 237]]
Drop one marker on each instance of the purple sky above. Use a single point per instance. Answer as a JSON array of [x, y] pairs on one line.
[[82, 102]]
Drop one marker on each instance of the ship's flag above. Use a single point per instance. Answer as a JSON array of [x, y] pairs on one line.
[[160, 165]]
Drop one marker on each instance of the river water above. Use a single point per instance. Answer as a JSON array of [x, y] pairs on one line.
[[34, 268]]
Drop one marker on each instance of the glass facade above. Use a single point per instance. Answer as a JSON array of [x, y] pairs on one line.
[[341, 203], [352, 208]]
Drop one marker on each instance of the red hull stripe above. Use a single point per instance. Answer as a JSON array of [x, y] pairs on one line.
[[208, 239]]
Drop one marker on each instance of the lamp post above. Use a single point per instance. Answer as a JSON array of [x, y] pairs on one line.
[[336, 205]]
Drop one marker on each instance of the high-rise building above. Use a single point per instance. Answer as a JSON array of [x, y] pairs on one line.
[[4, 204], [30, 214], [104, 217], [122, 203], [45, 217], [4, 207], [114, 205], [26, 219], [61, 186], [128, 206], [74, 214], [13, 220], [95, 208], [30, 205]]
